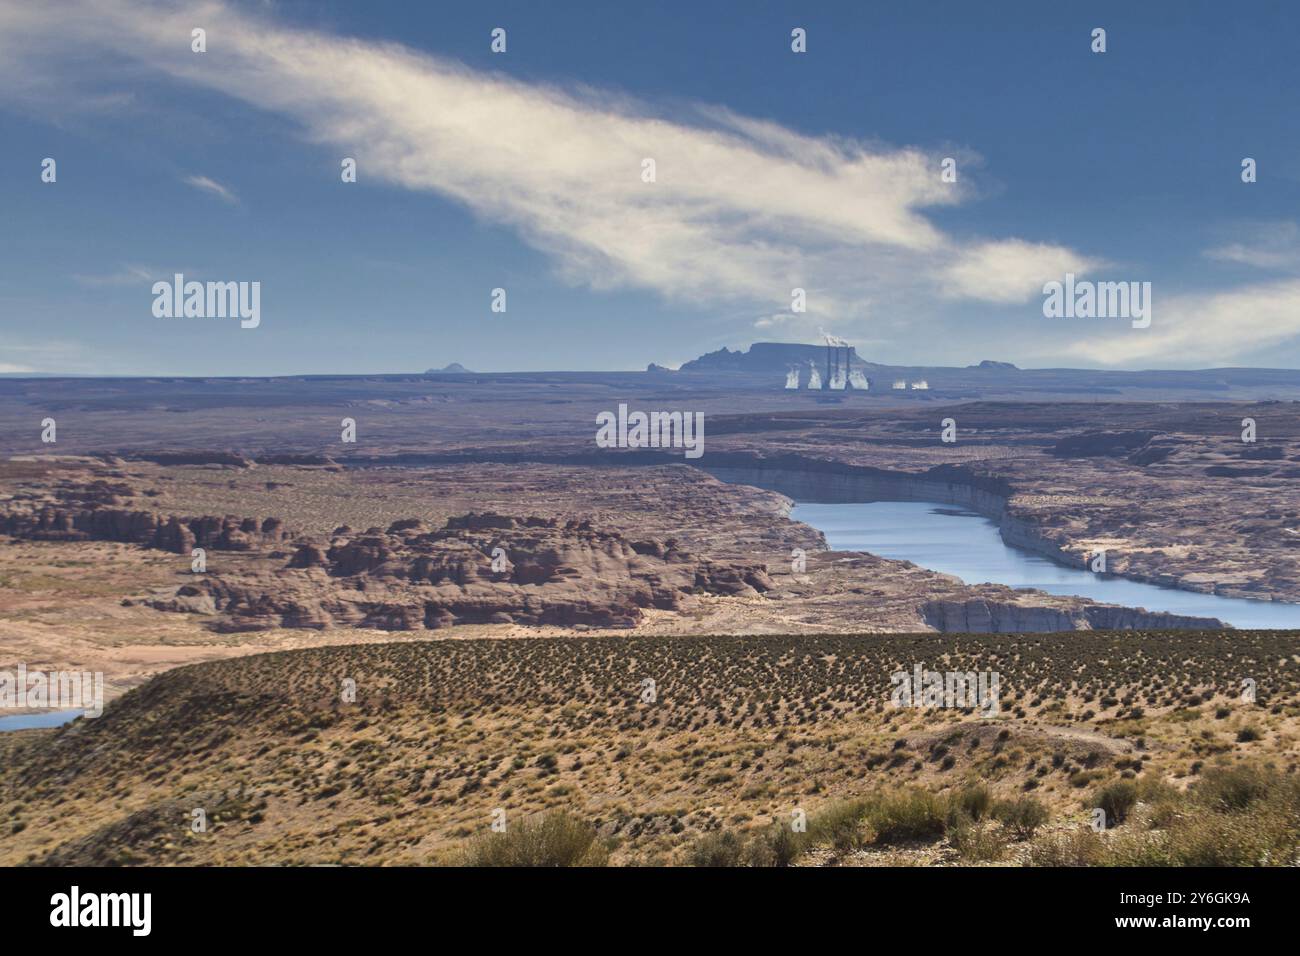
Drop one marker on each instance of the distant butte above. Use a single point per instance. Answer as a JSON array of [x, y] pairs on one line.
[[455, 368]]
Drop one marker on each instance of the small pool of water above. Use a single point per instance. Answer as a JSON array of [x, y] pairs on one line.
[[948, 539], [48, 718]]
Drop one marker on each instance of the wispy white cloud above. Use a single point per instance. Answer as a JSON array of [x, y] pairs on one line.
[[127, 275], [1267, 245], [1206, 328], [1215, 326], [207, 185], [1010, 270], [743, 210]]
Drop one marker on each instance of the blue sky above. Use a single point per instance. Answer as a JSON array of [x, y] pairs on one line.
[[522, 171]]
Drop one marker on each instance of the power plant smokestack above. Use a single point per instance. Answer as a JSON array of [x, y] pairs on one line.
[[814, 378], [837, 377]]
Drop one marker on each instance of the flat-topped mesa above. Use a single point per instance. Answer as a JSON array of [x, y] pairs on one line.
[[478, 568], [765, 357]]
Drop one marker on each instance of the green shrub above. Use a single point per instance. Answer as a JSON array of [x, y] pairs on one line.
[[1258, 838], [1084, 777], [974, 801], [1080, 847], [910, 814], [1022, 816], [778, 845], [556, 839], [1117, 799], [1152, 788], [1229, 789], [720, 848], [1206, 838], [975, 843], [841, 825]]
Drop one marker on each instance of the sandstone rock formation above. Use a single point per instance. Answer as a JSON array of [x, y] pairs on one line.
[[91, 511], [479, 568], [171, 533], [993, 617]]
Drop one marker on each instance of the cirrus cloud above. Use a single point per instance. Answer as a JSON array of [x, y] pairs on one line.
[[742, 209]]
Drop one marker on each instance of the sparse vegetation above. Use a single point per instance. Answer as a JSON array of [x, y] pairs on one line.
[[744, 731], [1117, 800], [557, 839], [977, 844], [974, 801], [910, 814], [1022, 816]]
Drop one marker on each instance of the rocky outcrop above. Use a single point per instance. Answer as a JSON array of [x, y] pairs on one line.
[[830, 481], [477, 569], [992, 617], [168, 533], [1109, 444], [94, 511]]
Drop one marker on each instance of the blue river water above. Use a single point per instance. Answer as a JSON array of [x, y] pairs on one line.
[[46, 718], [953, 541]]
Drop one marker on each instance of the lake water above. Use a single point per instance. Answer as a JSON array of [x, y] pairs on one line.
[[954, 541], [47, 718]]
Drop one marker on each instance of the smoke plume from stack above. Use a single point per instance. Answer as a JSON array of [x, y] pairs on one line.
[[814, 377]]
